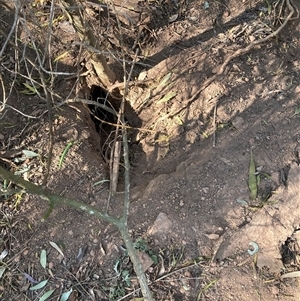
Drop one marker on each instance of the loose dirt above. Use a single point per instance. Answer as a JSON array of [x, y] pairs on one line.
[[191, 214]]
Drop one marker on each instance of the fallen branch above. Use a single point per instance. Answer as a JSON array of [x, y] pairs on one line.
[[120, 223]]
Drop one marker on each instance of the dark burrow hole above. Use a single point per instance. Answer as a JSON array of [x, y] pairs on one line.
[[105, 120], [102, 118], [290, 251]]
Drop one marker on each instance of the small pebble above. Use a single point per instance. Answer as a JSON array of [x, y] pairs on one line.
[[238, 121]]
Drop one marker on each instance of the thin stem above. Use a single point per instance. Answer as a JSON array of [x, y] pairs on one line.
[[125, 141], [12, 28], [58, 199], [137, 265]]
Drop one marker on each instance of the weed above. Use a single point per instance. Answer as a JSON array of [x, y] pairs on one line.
[[65, 152], [252, 181], [142, 245], [207, 287]]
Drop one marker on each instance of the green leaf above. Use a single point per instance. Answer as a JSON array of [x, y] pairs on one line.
[[126, 277], [165, 79], [60, 57], [30, 90], [297, 111], [208, 286], [39, 285], [65, 296], [64, 154], [46, 295], [2, 270], [242, 202], [167, 97], [116, 267], [43, 259], [23, 170], [252, 181], [29, 154], [154, 258], [4, 253]]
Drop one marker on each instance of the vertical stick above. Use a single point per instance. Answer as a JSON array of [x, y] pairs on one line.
[[215, 124]]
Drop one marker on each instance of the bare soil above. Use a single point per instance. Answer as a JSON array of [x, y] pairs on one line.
[[190, 146]]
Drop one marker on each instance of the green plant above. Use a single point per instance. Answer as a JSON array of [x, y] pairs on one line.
[[141, 245]]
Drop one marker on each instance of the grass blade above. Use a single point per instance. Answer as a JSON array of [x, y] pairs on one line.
[[252, 181], [64, 154], [206, 288], [167, 97], [165, 80], [60, 57]]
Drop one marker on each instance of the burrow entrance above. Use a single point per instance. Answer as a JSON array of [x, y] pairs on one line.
[[105, 120]]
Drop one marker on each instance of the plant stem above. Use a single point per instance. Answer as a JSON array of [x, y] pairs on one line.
[[57, 199], [120, 223], [137, 265]]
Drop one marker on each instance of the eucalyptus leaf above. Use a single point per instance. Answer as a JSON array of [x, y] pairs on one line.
[[65, 296], [116, 267], [46, 295], [30, 278], [61, 56], [43, 259], [3, 254], [167, 97], [297, 111], [242, 202], [2, 270], [165, 79], [39, 285], [29, 154], [57, 248]]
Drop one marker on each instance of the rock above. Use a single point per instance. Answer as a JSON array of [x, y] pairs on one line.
[[145, 260], [162, 225], [238, 121], [212, 236]]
